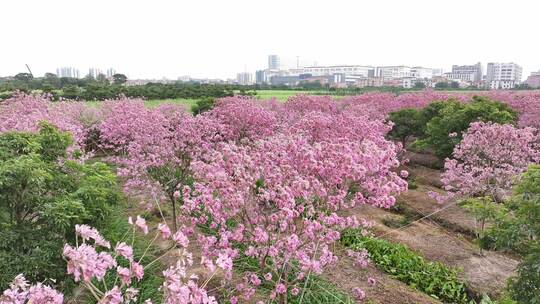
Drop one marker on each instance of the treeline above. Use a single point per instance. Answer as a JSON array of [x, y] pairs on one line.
[[89, 88]]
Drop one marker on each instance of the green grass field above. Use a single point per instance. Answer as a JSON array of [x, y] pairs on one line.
[[280, 95], [188, 103]]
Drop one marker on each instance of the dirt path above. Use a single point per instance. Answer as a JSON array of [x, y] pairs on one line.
[[484, 274], [449, 215], [425, 175], [424, 159], [385, 291]]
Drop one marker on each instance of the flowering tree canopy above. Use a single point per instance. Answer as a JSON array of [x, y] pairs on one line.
[[488, 159]]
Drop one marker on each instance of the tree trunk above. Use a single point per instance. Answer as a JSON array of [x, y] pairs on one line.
[[173, 200]]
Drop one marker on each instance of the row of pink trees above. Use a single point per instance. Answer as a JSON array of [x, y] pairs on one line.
[[258, 175], [486, 165], [268, 180], [489, 158]]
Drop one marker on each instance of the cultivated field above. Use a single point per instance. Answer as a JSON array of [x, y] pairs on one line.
[[311, 200]]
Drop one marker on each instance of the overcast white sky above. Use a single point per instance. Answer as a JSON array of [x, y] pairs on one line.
[[218, 38]]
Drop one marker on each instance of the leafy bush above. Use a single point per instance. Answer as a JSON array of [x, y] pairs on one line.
[[519, 230], [203, 105], [407, 123], [451, 117], [42, 196], [432, 278], [526, 287], [412, 184], [114, 230]]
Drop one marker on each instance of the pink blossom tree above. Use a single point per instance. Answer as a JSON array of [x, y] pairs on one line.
[[283, 194], [486, 165], [92, 259], [488, 160], [24, 112]]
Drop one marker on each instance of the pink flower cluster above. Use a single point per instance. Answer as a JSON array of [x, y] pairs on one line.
[[25, 112], [20, 292], [489, 159]]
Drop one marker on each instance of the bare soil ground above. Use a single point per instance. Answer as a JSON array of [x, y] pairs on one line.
[[425, 175], [484, 274], [424, 159], [437, 238], [449, 214], [385, 291]]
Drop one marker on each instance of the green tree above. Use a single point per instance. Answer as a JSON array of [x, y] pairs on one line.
[[42, 196], [455, 117], [202, 105], [407, 124], [72, 92], [26, 77], [419, 85], [119, 78], [454, 85], [441, 85], [518, 230]]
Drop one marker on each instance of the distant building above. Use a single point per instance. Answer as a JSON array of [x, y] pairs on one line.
[[185, 78], [285, 80], [67, 72], [468, 73], [366, 82], [263, 76], [244, 78], [274, 62], [421, 73], [534, 80], [438, 72], [393, 72], [503, 75], [94, 72], [110, 72], [360, 70]]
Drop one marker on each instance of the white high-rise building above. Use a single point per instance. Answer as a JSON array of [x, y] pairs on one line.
[[360, 70], [393, 72], [469, 73], [503, 75], [274, 62], [110, 72], [244, 78], [421, 73], [94, 72], [67, 72]]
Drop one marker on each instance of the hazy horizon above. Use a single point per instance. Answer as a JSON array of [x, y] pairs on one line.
[[217, 39]]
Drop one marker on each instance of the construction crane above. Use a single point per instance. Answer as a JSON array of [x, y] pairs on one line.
[[29, 71]]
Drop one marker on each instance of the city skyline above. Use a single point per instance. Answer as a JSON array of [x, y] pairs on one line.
[[218, 39], [76, 72]]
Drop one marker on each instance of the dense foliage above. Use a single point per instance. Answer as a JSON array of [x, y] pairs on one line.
[[455, 118], [439, 126], [517, 229], [433, 278], [42, 195], [488, 158], [250, 179], [98, 89]]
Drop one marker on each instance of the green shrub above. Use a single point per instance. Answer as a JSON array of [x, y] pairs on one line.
[[42, 196], [432, 278], [519, 231], [439, 119], [412, 184], [526, 287], [203, 105], [406, 125]]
